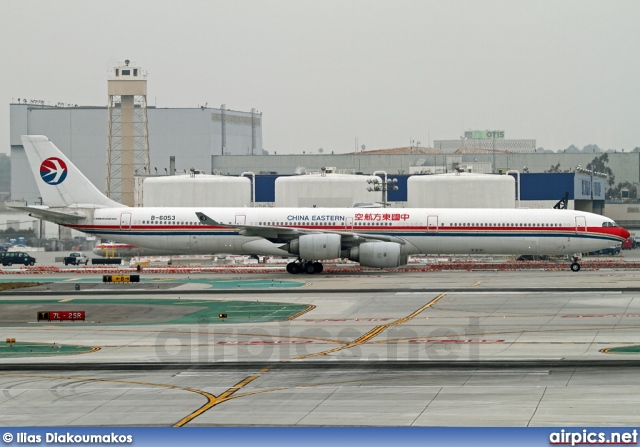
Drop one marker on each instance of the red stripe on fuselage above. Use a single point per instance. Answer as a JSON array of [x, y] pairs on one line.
[[615, 232]]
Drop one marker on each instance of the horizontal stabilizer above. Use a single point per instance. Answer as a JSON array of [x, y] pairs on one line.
[[50, 215]]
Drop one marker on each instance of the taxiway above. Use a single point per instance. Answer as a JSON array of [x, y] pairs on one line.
[[467, 348]]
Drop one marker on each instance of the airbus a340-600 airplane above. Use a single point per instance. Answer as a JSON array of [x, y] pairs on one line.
[[382, 238]]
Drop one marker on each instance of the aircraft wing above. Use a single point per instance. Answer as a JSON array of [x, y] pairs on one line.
[[42, 212], [286, 234]]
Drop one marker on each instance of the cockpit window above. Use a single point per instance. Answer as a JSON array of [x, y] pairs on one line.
[[609, 224]]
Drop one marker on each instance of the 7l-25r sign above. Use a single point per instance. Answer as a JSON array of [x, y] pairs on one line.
[[54, 315]]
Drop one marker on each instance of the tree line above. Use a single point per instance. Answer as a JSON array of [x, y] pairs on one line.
[[599, 164]]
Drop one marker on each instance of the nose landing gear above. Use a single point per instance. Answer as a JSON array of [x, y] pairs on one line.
[[574, 265]]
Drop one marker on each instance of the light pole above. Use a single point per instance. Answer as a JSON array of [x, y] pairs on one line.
[[384, 186], [40, 231]]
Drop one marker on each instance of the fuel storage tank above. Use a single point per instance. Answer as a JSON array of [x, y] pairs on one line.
[[197, 190], [328, 189], [461, 190]]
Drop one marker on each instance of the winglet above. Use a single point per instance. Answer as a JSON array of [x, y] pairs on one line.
[[206, 220]]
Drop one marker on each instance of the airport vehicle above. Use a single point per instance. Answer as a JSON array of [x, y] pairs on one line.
[[18, 247], [118, 249], [628, 243], [76, 258], [611, 251], [16, 257], [379, 238]]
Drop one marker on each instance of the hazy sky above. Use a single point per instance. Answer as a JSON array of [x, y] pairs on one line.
[[324, 73]]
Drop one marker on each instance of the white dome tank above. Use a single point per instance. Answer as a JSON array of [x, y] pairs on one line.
[[463, 190], [325, 191], [197, 190]]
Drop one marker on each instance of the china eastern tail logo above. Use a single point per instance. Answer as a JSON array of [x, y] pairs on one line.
[[53, 171]]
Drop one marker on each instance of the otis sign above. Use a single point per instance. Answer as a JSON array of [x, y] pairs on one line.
[[477, 134]]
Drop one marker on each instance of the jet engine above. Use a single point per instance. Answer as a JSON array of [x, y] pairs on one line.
[[316, 246], [378, 254]]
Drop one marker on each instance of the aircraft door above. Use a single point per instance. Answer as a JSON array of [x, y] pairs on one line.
[[241, 219], [125, 221], [348, 224], [581, 224], [432, 224]]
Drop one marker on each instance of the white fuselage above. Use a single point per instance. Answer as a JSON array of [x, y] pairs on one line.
[[426, 231]]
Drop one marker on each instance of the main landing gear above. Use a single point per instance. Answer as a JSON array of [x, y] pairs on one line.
[[300, 266]]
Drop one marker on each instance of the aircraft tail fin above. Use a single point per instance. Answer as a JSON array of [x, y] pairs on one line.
[[60, 182]]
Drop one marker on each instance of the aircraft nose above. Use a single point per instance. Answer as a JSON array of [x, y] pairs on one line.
[[624, 233]]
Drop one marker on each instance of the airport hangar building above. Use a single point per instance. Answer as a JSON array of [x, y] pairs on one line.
[[192, 135]]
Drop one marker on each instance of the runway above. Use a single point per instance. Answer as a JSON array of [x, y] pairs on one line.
[[458, 348]]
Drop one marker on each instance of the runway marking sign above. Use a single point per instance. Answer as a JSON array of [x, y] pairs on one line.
[[64, 315]]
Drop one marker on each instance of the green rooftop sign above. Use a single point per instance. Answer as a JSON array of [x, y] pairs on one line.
[[477, 134]]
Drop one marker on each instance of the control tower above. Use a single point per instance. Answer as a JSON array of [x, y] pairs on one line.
[[128, 134]]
